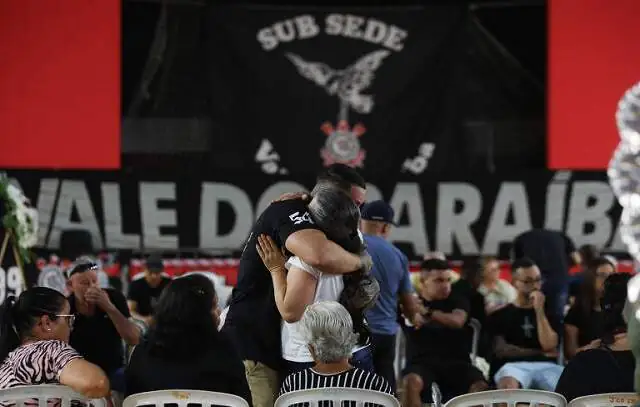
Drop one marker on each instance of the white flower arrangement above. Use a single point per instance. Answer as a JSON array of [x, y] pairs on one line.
[[20, 217]]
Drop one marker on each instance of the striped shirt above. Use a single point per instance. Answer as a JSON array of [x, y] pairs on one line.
[[353, 378], [35, 363]]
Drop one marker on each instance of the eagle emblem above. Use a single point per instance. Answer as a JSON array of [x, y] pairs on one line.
[[346, 83]]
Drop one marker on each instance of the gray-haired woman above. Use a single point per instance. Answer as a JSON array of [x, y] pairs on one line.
[[328, 330]]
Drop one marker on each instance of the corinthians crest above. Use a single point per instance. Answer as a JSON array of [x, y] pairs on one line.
[[343, 144]]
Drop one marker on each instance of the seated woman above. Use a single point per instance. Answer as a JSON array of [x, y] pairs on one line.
[[583, 322], [607, 364], [336, 214], [34, 346], [496, 291], [327, 331], [183, 349]]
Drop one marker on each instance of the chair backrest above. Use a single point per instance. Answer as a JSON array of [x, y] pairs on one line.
[[336, 395], [399, 359], [184, 397], [509, 397], [45, 392], [476, 326], [606, 400]]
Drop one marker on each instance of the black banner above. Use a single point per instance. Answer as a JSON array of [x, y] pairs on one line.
[[458, 216], [295, 88]]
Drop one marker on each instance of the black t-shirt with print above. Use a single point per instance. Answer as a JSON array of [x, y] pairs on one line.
[[590, 326], [518, 327], [436, 342], [253, 319], [146, 296], [96, 338]]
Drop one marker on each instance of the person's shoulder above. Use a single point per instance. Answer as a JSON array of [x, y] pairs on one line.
[[51, 346], [504, 284], [573, 312], [284, 208], [505, 311], [114, 294], [458, 299], [137, 283]]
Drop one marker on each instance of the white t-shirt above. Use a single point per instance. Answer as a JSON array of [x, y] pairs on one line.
[[329, 288]]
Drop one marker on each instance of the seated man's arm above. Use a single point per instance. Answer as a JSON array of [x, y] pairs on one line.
[[457, 318], [313, 247], [504, 350]]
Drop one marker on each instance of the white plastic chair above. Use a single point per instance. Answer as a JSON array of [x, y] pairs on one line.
[[476, 326], [336, 395], [45, 392], [400, 360], [509, 397], [184, 397], [606, 400]]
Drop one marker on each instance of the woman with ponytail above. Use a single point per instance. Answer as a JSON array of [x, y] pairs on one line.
[[34, 349], [607, 364]]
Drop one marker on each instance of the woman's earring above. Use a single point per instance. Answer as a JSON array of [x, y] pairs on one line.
[[49, 329]]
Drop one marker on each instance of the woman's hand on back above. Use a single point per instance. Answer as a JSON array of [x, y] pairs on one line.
[[272, 256]]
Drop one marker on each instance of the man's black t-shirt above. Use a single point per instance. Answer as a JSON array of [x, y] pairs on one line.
[[253, 319], [146, 296], [436, 342], [590, 326], [96, 338], [518, 327]]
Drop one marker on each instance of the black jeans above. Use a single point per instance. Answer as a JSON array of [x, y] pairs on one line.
[[384, 355]]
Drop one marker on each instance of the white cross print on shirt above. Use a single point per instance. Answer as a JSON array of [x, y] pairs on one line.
[[527, 327]]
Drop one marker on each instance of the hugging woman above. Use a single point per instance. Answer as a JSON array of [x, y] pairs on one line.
[[297, 284]]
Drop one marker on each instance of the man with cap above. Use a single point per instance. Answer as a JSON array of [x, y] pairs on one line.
[[391, 269], [102, 321], [144, 292]]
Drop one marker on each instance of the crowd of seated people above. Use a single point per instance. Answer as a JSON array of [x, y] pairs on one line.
[[77, 340], [523, 335]]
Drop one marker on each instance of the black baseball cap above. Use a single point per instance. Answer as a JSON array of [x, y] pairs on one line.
[[377, 210], [154, 264]]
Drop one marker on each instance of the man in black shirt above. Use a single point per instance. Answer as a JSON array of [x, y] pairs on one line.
[[144, 292], [253, 319], [439, 350], [554, 253], [525, 336], [101, 322]]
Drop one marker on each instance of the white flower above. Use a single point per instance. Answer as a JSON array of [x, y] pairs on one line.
[[27, 217]]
